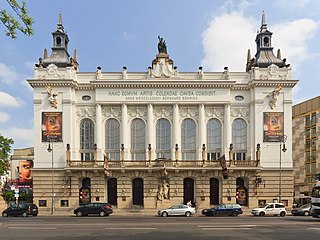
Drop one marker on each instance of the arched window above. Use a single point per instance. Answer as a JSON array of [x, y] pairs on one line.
[[188, 139], [239, 139], [163, 139], [112, 130], [213, 139], [138, 142], [86, 139]]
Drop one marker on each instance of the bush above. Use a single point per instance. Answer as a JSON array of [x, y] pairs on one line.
[[8, 196]]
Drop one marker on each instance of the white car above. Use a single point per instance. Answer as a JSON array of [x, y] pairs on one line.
[[177, 210], [270, 209]]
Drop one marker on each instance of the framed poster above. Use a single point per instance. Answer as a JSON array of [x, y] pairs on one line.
[[52, 127], [273, 128]]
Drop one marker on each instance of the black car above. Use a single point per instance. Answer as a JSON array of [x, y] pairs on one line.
[[102, 209], [223, 210], [21, 209]]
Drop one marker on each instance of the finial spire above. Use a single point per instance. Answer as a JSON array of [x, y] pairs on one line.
[[263, 27], [59, 25]]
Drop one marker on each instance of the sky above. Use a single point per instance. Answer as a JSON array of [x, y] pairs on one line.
[[117, 33]]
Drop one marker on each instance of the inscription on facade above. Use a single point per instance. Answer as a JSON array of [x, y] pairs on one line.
[[160, 95]]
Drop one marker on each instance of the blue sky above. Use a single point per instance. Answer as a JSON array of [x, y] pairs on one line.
[[112, 34]]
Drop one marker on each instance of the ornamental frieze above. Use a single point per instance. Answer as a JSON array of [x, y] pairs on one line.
[[135, 112], [163, 112], [187, 112], [114, 112], [216, 112], [86, 112], [243, 112]]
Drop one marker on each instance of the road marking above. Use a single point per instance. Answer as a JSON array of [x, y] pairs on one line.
[[131, 228], [233, 227], [35, 228], [318, 229], [227, 228]]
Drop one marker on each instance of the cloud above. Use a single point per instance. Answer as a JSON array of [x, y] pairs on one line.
[[4, 117], [293, 38], [229, 36], [8, 100], [8, 75], [227, 40], [23, 135]]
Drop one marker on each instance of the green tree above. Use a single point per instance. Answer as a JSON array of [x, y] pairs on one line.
[[5, 150], [16, 19]]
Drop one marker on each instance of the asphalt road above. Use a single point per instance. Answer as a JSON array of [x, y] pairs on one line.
[[151, 227]]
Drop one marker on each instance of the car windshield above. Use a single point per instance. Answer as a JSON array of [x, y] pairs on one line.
[[305, 206], [263, 205], [316, 192]]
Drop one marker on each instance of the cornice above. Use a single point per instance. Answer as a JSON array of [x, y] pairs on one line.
[[273, 83], [52, 82]]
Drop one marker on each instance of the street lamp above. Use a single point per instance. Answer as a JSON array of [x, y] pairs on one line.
[[282, 149], [49, 149]]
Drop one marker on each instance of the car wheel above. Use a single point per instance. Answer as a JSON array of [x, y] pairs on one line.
[[282, 214], [24, 214], [35, 215], [261, 214], [4, 214], [164, 214], [188, 214], [235, 214], [79, 214], [306, 213], [102, 213]]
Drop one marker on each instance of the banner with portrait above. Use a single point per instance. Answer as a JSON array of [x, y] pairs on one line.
[[25, 172], [273, 126], [52, 127]]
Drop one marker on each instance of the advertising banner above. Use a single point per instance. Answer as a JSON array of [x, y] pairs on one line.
[[273, 128], [52, 127], [25, 172]]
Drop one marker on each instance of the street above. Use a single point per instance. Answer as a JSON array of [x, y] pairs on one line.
[[152, 227]]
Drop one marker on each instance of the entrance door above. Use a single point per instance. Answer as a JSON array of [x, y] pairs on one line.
[[137, 191], [214, 191], [112, 191], [188, 190]]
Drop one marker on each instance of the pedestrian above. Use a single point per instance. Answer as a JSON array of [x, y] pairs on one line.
[[189, 204]]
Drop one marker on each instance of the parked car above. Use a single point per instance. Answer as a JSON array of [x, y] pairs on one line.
[[101, 209], [223, 210], [304, 210], [270, 209], [21, 209], [177, 210]]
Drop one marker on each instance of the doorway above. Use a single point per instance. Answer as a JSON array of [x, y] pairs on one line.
[[112, 191], [214, 191], [188, 190], [137, 191]]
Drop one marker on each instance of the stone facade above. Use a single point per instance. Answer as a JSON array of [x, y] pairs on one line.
[[222, 132]]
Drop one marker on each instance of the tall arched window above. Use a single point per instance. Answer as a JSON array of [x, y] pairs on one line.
[[213, 139], [188, 139], [239, 139], [86, 139], [138, 142], [163, 138], [112, 130]]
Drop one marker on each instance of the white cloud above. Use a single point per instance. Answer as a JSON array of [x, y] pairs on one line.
[[229, 36], [293, 38], [227, 40], [8, 75], [4, 117], [8, 100], [19, 135]]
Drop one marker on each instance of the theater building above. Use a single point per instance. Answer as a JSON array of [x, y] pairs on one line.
[[150, 139]]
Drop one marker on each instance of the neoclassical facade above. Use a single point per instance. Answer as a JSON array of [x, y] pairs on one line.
[[147, 140]]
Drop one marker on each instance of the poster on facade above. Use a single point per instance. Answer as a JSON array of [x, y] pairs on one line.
[[25, 172], [272, 126], [52, 127]]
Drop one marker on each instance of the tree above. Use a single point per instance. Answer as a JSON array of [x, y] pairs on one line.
[[18, 20], [5, 150]]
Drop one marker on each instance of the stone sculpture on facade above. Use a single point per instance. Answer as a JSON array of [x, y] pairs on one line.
[[273, 96], [124, 73], [200, 73], [162, 46], [52, 96]]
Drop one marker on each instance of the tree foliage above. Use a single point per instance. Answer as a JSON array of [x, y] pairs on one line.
[[5, 150], [17, 19]]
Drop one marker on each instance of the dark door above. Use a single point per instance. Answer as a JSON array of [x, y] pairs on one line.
[[214, 191], [188, 190], [137, 191], [112, 191]]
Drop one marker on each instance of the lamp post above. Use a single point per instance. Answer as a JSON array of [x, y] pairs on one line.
[[282, 149], [50, 150]]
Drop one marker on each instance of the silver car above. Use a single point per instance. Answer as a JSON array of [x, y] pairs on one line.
[[177, 210]]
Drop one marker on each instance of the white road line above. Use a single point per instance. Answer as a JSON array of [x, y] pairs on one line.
[[318, 229], [217, 226], [228, 228], [34, 228], [131, 228]]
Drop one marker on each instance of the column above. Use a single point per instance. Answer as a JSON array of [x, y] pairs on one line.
[[150, 131], [202, 131], [227, 129], [176, 138], [98, 132], [124, 130]]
